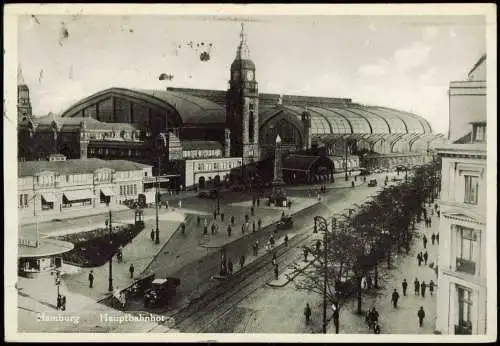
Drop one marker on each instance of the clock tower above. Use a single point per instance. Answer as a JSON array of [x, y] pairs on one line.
[[242, 117]]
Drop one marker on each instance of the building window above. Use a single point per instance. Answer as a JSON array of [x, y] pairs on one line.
[[464, 323], [25, 200], [251, 119], [216, 165], [467, 250], [250, 106], [471, 189], [20, 205], [135, 189], [200, 166], [121, 190]]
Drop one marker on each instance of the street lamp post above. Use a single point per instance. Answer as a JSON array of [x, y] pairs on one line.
[[157, 233], [110, 278], [321, 223], [346, 150]]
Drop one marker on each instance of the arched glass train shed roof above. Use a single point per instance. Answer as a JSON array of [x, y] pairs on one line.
[[326, 118]]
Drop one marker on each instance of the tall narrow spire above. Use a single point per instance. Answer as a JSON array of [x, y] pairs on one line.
[[243, 52], [20, 78]]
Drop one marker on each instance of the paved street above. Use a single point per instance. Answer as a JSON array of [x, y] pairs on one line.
[[280, 309]]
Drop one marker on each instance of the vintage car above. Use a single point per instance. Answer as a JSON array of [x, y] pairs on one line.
[[286, 222], [161, 291], [212, 194], [372, 182]]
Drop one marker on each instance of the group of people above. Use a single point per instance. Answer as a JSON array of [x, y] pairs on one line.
[[371, 318]]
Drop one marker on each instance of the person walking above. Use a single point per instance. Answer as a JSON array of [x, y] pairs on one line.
[[252, 211], [131, 271], [257, 244], [273, 260], [417, 287], [253, 226], [222, 217], [242, 261], [198, 221], [243, 229], [395, 298], [419, 258], [421, 315], [426, 257], [437, 238], [254, 249], [259, 223], [423, 286], [180, 204], [425, 242], [59, 302], [230, 267], [374, 315], [307, 313], [306, 252], [152, 234], [376, 328], [258, 202], [431, 287], [430, 222], [215, 215], [405, 286], [228, 230], [433, 238], [91, 279], [276, 271], [205, 229], [335, 317], [286, 240], [63, 303]]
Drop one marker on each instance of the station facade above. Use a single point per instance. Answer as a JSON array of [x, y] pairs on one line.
[[164, 128]]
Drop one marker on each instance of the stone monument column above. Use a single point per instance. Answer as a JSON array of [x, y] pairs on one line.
[[278, 173]]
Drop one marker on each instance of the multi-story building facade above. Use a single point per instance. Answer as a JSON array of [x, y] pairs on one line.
[[462, 269], [55, 187]]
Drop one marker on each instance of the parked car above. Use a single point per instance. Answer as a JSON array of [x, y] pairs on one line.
[[286, 222], [161, 291], [372, 182]]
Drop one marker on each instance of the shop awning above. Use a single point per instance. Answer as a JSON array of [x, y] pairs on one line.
[[107, 192], [78, 195], [49, 197]]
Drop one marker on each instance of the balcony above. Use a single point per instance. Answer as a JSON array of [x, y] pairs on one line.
[[465, 266]]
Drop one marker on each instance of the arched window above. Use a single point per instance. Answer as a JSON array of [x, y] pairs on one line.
[[251, 127]]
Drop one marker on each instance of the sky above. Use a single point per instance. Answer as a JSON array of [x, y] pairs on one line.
[[404, 62]]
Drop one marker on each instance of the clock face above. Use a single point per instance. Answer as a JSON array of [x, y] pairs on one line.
[[250, 75]]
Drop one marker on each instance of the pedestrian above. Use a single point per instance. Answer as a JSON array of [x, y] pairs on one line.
[[119, 254], [431, 287], [433, 238], [430, 222], [421, 315], [59, 302], [91, 279], [283, 214], [423, 286], [419, 258], [286, 240], [166, 205], [335, 317], [243, 229], [426, 257], [437, 238], [254, 250], [205, 229], [222, 217], [273, 260], [289, 205], [271, 240], [152, 234], [259, 223], [230, 267], [131, 270], [252, 211], [395, 297], [212, 228], [417, 287], [405, 286], [425, 241], [258, 202], [180, 204], [318, 245], [257, 244], [253, 226], [374, 316], [276, 271], [228, 230], [63, 303], [183, 227], [215, 214], [307, 313], [439, 213], [246, 217], [242, 261], [232, 220], [376, 328], [306, 252], [198, 221]]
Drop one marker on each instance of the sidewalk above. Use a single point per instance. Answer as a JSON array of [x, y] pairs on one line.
[[402, 320], [27, 218]]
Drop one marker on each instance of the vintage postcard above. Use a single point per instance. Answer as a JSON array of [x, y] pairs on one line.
[[250, 172]]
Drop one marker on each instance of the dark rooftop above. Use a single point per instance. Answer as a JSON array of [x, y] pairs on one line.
[[30, 168], [200, 145]]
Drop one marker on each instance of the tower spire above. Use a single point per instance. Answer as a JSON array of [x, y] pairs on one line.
[[243, 52], [20, 78]]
